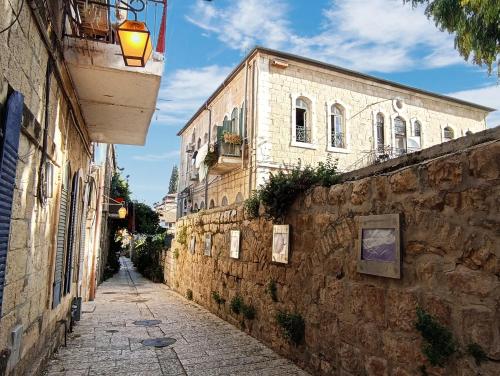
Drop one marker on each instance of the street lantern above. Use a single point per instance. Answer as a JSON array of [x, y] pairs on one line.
[[135, 42], [122, 212]]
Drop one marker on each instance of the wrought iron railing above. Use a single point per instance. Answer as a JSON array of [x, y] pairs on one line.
[[229, 150], [97, 20], [303, 134], [338, 140]]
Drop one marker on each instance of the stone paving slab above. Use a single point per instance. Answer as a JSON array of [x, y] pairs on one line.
[[106, 341]]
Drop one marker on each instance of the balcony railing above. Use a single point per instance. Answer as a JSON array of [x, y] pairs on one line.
[[229, 150], [338, 140], [303, 134], [97, 20]]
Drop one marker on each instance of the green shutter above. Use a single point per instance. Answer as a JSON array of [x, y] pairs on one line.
[[61, 240]]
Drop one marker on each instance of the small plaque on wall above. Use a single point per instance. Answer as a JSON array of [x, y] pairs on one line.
[[208, 244], [281, 236], [234, 251], [379, 245], [192, 244]]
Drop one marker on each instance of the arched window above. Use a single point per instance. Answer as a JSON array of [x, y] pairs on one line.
[[234, 121], [417, 128], [448, 134], [399, 136], [199, 144], [302, 127], [224, 201], [193, 137], [212, 204], [239, 198], [214, 133], [337, 127], [195, 208], [202, 205], [380, 133]]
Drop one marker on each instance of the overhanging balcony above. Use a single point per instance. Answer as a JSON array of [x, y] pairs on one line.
[[229, 158], [117, 101]]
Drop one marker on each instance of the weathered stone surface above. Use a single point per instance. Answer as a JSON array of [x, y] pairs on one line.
[[360, 192], [404, 181], [376, 366], [445, 173], [484, 162]]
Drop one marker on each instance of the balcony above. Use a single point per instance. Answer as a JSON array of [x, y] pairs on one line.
[[117, 101]]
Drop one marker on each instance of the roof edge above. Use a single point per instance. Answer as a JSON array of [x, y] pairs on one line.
[[321, 64]]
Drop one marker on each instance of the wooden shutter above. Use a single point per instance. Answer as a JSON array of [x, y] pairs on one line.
[[61, 240], [9, 141], [242, 119]]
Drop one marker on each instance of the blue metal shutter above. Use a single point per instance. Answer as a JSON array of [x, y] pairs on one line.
[[61, 238], [8, 163], [71, 233]]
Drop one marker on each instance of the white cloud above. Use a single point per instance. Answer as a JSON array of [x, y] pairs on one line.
[[185, 90], [375, 35], [244, 23], [488, 96], [157, 157]]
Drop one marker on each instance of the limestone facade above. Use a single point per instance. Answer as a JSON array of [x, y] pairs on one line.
[[448, 197], [51, 154], [289, 108]]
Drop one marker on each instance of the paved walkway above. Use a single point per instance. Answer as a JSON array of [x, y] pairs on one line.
[[107, 342]]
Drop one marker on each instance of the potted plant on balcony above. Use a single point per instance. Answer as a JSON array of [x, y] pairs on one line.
[[211, 157], [232, 138]]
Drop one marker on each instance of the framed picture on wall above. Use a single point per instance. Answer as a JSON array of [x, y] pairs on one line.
[[192, 244], [208, 244], [281, 237], [379, 245], [234, 250]]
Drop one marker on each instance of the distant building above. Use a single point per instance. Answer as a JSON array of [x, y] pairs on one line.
[[166, 210], [275, 109]]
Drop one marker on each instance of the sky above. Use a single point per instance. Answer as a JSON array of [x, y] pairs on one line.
[[205, 40]]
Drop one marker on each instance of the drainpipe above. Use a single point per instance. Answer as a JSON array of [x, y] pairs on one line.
[[253, 151], [244, 130], [209, 138]]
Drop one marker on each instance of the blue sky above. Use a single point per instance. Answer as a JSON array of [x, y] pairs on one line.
[[205, 40]]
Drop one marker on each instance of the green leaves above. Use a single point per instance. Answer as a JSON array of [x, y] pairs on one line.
[[292, 326], [475, 23]]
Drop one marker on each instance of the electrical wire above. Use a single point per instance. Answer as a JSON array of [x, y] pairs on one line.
[[15, 20]]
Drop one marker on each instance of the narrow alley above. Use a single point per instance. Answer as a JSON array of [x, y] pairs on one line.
[[112, 336]]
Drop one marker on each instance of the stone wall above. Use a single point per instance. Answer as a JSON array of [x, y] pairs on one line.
[[359, 324], [27, 300]]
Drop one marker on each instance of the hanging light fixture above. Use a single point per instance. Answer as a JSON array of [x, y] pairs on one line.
[[122, 212], [135, 42]]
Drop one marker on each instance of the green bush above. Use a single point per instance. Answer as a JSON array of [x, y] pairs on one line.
[[272, 290], [182, 235], [189, 294], [236, 304], [252, 205], [439, 343], [217, 298], [292, 326], [147, 256], [477, 352], [283, 187], [248, 311]]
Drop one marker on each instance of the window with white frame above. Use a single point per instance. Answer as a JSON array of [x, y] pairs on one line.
[[415, 141], [380, 133], [448, 134], [302, 127], [399, 136], [337, 127]]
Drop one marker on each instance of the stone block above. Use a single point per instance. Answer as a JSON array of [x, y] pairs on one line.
[[479, 326], [376, 366], [403, 349], [465, 281], [360, 192], [404, 181], [401, 309], [484, 162], [351, 358], [445, 173]]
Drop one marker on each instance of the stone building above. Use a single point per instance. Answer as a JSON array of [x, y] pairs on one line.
[[167, 209], [276, 109], [64, 94]]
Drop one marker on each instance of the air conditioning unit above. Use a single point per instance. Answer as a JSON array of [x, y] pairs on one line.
[[193, 175]]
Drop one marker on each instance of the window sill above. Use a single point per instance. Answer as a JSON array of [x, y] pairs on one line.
[[338, 150], [304, 145]]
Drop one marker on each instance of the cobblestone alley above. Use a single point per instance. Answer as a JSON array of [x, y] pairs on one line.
[[107, 342]]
